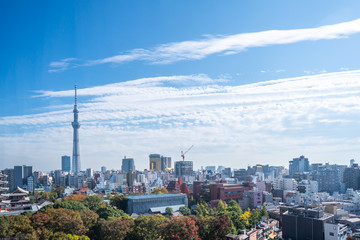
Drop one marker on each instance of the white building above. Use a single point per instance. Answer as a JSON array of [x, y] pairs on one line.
[[285, 184], [335, 231]]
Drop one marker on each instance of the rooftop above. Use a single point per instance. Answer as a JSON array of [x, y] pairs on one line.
[[155, 196]]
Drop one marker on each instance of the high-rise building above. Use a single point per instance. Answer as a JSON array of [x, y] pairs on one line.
[[165, 163], [10, 178], [76, 164], [103, 169], [90, 172], [57, 174], [240, 174], [184, 169], [155, 162], [300, 223], [18, 176], [351, 177], [298, 165], [27, 172], [328, 179], [127, 165], [65, 164], [3, 183]]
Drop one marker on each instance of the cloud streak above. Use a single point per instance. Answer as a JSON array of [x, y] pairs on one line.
[[281, 118], [223, 45]]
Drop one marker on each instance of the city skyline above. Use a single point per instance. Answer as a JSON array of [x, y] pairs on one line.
[[262, 89]]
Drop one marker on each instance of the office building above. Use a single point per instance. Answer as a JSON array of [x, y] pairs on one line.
[[65, 164], [3, 183], [155, 162], [184, 169], [18, 177], [103, 169], [328, 179], [89, 172], [165, 163], [351, 177], [127, 165], [240, 174], [298, 165], [300, 223], [9, 172], [76, 164]]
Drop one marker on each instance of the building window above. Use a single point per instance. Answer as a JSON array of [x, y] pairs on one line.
[[331, 234]]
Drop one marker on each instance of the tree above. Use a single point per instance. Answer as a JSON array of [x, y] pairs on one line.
[[221, 207], [16, 226], [116, 229], [160, 190], [89, 218], [69, 204], [75, 197], [119, 201], [264, 211], [108, 211], [184, 210], [148, 227], [219, 227], [180, 228], [65, 220], [59, 191], [169, 211], [94, 202]]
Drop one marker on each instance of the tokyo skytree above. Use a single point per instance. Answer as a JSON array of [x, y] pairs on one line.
[[76, 164]]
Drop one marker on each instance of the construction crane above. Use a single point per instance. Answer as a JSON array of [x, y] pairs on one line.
[[183, 153]]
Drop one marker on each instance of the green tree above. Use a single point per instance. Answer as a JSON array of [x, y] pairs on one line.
[[221, 207], [69, 204], [59, 191], [89, 218], [94, 202], [108, 211], [16, 226], [180, 228], [148, 227], [169, 211], [65, 220], [264, 211], [119, 201], [116, 229], [184, 210]]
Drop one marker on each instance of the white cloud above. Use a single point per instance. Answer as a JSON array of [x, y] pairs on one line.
[[276, 119], [230, 44]]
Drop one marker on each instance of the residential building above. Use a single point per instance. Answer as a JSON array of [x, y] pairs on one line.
[[328, 179], [351, 177]]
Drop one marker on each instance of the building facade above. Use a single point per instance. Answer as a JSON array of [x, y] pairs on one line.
[[155, 162], [298, 165], [127, 165], [143, 203], [65, 164]]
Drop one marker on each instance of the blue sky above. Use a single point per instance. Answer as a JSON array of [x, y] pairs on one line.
[[244, 81]]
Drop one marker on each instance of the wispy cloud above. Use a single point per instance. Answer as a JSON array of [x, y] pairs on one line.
[[226, 45], [309, 115], [61, 65]]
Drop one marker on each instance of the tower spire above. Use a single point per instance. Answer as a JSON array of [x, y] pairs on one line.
[[75, 95], [76, 164]]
